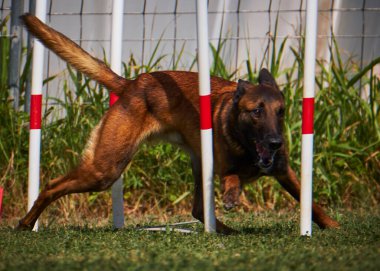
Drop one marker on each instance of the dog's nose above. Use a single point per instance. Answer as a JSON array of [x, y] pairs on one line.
[[274, 143]]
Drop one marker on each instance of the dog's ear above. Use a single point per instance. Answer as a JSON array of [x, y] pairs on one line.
[[240, 91], [265, 77]]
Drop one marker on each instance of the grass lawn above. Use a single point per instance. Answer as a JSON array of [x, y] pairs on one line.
[[267, 241]]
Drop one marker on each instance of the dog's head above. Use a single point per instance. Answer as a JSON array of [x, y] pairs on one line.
[[259, 115]]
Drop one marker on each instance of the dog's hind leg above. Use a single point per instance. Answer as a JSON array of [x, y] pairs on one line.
[[77, 181], [110, 149], [291, 184], [197, 211]]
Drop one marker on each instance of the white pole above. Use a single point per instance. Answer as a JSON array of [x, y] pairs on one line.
[[35, 114], [206, 118], [116, 52], [308, 118]]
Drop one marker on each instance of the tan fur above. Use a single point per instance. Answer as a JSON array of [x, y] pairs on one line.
[[247, 130], [73, 54], [88, 153]]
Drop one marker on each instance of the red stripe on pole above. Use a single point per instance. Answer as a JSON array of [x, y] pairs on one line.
[[35, 111], [1, 200], [205, 112], [307, 116], [113, 98]]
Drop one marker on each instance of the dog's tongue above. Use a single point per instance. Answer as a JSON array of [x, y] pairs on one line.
[[264, 154]]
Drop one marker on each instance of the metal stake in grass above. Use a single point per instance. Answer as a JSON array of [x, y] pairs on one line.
[[172, 227]]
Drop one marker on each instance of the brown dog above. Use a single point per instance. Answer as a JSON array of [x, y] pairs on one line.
[[247, 121]]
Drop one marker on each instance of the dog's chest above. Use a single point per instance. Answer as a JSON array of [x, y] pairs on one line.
[[245, 167]]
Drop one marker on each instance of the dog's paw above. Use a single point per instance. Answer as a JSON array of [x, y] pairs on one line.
[[231, 198], [223, 229], [23, 227], [332, 225]]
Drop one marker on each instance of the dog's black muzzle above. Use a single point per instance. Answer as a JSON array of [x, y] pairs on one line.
[[266, 151]]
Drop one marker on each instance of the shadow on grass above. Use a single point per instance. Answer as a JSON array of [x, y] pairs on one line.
[[278, 228]]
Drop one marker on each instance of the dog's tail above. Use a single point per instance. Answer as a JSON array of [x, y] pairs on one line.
[[74, 55]]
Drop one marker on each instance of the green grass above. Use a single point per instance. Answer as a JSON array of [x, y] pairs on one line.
[[267, 241]]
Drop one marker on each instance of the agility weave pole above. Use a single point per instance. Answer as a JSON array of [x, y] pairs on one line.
[[35, 114], [308, 118], [205, 118], [116, 57]]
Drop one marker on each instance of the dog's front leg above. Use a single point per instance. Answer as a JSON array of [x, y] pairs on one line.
[[197, 211], [231, 187], [291, 184]]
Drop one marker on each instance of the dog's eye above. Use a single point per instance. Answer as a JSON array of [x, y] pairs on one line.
[[257, 112]]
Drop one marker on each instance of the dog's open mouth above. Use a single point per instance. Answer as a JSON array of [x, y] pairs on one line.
[[266, 156]]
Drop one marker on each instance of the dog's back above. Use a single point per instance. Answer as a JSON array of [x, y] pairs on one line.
[[175, 82]]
